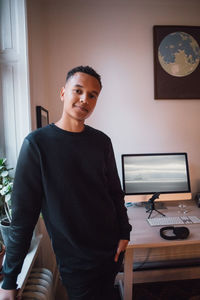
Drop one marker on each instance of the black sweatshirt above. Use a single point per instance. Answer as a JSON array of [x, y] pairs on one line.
[[72, 178]]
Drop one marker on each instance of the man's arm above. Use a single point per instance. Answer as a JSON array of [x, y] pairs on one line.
[[26, 205], [117, 195]]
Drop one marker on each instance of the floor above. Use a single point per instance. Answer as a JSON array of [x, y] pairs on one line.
[[172, 290]]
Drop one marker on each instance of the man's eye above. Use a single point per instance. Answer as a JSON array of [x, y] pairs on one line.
[[77, 91], [92, 96]]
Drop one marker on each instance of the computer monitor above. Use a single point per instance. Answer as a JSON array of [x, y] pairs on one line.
[[164, 173]]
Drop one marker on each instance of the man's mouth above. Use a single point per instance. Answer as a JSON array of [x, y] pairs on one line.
[[82, 108]]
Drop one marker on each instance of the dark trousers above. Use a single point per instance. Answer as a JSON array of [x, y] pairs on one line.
[[94, 284]]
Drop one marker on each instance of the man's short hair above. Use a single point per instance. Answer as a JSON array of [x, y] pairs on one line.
[[84, 69]]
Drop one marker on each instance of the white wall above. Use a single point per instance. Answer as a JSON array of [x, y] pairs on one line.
[[115, 37], [38, 57]]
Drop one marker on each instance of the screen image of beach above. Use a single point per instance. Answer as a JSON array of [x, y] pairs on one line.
[[155, 173]]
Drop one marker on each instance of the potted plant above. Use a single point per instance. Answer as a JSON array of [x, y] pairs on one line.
[[6, 185], [2, 253]]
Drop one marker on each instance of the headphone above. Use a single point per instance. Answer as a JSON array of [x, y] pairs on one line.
[[180, 233]]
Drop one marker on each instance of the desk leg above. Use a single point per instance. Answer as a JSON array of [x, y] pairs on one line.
[[128, 274]]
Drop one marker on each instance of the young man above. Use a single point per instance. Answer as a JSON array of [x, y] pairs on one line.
[[67, 170]]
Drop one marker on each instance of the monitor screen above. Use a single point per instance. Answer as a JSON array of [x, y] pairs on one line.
[[155, 173]]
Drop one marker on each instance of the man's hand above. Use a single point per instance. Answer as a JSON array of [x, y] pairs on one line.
[[121, 247], [8, 294]]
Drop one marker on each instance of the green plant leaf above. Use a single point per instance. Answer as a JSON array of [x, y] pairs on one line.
[[2, 161], [4, 173], [4, 190], [6, 185], [7, 198]]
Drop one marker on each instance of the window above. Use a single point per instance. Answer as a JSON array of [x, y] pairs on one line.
[[14, 84]]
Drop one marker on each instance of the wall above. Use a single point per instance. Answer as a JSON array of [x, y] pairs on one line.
[[38, 50], [115, 37]]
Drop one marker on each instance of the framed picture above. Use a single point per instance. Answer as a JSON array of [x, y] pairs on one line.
[[42, 116], [176, 62]]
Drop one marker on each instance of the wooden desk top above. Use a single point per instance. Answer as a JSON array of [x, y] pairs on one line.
[[145, 236]]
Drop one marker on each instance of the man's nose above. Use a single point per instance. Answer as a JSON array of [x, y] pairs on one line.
[[83, 98]]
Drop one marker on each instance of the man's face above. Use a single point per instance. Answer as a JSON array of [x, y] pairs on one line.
[[80, 96]]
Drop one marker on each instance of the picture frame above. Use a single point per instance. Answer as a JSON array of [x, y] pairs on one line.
[[42, 116], [176, 62]]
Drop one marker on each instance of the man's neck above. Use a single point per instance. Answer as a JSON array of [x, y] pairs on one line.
[[75, 126]]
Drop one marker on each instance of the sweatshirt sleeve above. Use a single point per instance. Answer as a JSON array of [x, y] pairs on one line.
[[117, 194], [26, 205]]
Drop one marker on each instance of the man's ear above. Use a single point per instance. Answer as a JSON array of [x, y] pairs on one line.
[[62, 93]]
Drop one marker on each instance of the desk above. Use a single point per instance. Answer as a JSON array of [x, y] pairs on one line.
[[145, 236]]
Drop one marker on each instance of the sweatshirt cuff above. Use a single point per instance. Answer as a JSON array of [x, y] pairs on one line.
[[9, 283], [125, 237], [125, 234]]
